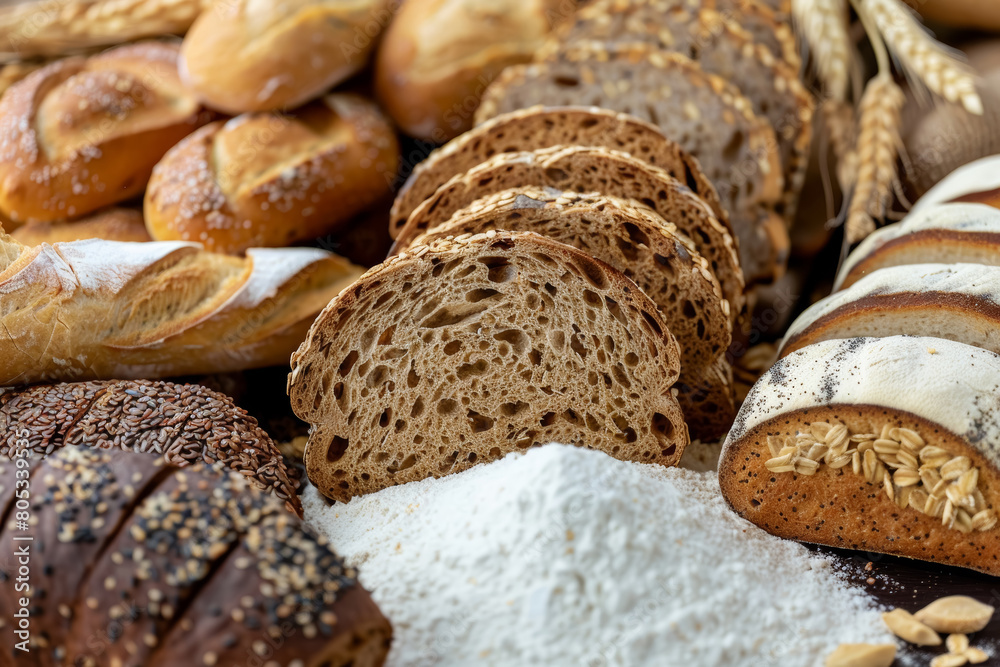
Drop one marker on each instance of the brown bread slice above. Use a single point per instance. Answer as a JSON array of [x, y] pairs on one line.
[[581, 169], [464, 351], [768, 25], [649, 250], [545, 127], [706, 115], [722, 48]]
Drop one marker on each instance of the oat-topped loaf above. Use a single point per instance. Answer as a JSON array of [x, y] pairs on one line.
[[583, 169], [877, 444], [463, 351], [960, 302], [137, 563], [941, 233], [649, 250], [545, 127]]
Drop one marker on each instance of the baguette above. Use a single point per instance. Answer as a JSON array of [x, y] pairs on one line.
[[545, 127], [846, 395], [110, 224], [269, 180], [938, 234], [463, 351], [139, 563], [102, 309], [84, 133]]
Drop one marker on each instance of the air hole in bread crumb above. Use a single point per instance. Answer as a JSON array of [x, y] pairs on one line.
[[407, 463], [338, 390], [412, 378], [477, 295], [452, 348], [577, 346], [592, 299], [384, 418], [555, 175], [512, 409], [386, 336], [565, 81], [336, 449], [348, 363], [615, 310], [662, 426], [548, 419], [447, 406], [466, 371], [417, 409], [551, 289], [544, 259], [378, 376], [689, 310], [494, 452], [620, 376], [535, 356], [592, 423], [448, 463], [651, 321], [479, 423], [471, 458], [517, 339]]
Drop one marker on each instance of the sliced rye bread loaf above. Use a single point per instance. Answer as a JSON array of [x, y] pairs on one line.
[[583, 169], [464, 351], [959, 302], [722, 48], [846, 443], [545, 127], [768, 25], [650, 251], [975, 183], [939, 234]]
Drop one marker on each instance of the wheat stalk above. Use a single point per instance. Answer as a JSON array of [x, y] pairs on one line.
[[838, 118], [877, 150], [823, 27], [923, 58]]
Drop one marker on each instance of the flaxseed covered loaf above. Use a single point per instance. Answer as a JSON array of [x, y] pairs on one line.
[[959, 302], [139, 563], [461, 352], [886, 445], [545, 127], [650, 251], [583, 169]]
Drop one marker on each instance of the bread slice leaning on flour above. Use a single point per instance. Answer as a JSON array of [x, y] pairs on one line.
[[545, 127], [887, 445], [583, 169], [663, 263], [939, 234], [959, 302], [464, 351]]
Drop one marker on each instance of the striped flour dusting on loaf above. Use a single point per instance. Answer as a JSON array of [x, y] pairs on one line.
[[977, 181]]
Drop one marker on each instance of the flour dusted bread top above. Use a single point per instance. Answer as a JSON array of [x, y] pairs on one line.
[[977, 181], [960, 302], [940, 233]]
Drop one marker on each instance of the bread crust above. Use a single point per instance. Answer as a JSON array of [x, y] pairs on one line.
[[111, 224], [84, 133], [973, 183], [270, 180]]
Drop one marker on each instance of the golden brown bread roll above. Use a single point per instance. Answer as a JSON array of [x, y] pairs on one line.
[[268, 179], [438, 56], [83, 133], [110, 224], [278, 54]]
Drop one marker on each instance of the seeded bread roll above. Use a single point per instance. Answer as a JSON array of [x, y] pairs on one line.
[[886, 445], [580, 169], [650, 251], [942, 234], [110, 224], [974, 183], [270, 180], [722, 48], [464, 351], [960, 302], [245, 55], [84, 133], [184, 423], [139, 563], [545, 127]]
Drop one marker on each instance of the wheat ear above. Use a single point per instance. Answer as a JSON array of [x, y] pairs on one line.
[[841, 133], [876, 152], [822, 25], [923, 57]]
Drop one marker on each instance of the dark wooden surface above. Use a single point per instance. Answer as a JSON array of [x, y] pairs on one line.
[[898, 582]]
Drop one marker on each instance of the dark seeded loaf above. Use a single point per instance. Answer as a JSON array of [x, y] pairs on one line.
[[768, 25], [544, 127], [580, 169], [663, 263], [459, 353]]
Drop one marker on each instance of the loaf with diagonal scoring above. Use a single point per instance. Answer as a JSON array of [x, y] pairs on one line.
[[461, 352]]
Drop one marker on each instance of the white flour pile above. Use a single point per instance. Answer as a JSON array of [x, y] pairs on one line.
[[564, 556]]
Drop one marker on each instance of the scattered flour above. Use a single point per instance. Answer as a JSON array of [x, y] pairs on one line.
[[564, 556]]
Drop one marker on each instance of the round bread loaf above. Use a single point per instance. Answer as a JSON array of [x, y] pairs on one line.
[[974, 183], [246, 55], [84, 133], [886, 445], [110, 224], [270, 180]]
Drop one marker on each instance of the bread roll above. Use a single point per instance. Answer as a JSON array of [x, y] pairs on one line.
[[463, 351], [138, 563], [103, 309], [267, 179], [907, 461], [84, 133], [438, 56], [264, 55], [110, 224]]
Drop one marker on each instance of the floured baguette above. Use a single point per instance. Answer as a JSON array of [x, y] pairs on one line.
[[464, 351], [922, 410], [647, 249], [545, 127], [582, 169], [959, 302], [940, 234]]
